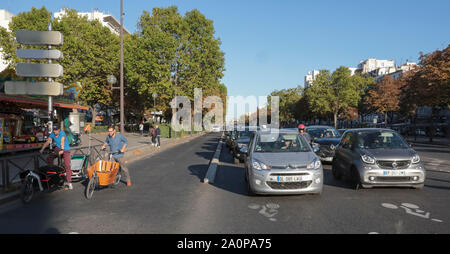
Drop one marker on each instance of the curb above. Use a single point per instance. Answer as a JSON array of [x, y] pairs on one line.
[[212, 169]]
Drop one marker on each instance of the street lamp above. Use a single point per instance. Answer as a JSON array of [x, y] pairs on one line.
[[112, 80], [122, 115]]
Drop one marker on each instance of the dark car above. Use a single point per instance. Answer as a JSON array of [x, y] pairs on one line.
[[327, 138], [241, 139], [377, 157]]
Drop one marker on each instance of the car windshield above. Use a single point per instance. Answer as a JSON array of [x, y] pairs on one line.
[[380, 140], [323, 132], [244, 134], [279, 142]]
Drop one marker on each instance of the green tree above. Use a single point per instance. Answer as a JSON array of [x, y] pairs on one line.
[[289, 99], [335, 93], [91, 51]]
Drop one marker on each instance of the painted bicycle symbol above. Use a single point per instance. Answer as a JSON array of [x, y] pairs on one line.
[[411, 209]]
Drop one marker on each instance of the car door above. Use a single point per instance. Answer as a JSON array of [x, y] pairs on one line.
[[347, 152]]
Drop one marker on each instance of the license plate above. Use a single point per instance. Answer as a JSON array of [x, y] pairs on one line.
[[286, 179], [394, 173]]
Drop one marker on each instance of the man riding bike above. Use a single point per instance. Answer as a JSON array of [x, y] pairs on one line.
[[62, 148], [117, 143]]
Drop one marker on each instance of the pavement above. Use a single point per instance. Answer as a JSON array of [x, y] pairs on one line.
[[139, 147], [426, 140]]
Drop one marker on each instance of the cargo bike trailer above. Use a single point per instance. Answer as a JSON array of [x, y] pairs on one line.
[[103, 173]]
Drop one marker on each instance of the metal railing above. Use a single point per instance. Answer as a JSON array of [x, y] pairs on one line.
[[32, 160]]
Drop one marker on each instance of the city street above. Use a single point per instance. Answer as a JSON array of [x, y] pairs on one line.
[[168, 196]]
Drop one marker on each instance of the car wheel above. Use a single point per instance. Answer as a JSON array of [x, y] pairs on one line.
[[356, 179], [335, 171], [250, 191]]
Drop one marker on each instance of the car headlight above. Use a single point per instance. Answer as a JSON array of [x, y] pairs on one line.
[[416, 159], [260, 166], [367, 159], [314, 165]]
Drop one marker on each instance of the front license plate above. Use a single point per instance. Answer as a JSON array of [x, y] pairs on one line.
[[288, 179], [394, 173]]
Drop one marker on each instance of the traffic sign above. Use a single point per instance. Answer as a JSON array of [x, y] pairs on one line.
[[39, 70], [34, 88], [28, 37], [39, 54]]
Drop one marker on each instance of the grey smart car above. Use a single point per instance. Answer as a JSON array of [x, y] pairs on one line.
[[281, 162], [377, 157]]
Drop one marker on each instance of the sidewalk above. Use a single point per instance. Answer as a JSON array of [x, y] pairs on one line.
[[426, 140], [139, 147]]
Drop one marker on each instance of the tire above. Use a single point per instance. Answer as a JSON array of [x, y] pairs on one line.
[[27, 191], [91, 187], [356, 179], [250, 191], [336, 174]]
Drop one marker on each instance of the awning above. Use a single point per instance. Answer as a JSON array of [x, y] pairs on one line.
[[36, 102]]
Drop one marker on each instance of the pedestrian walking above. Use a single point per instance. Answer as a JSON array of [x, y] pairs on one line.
[[141, 128], [158, 135], [117, 143], [153, 135]]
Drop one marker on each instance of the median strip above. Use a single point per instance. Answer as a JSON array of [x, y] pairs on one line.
[[212, 169]]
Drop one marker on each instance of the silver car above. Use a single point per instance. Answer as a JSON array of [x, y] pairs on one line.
[[377, 157], [282, 162]]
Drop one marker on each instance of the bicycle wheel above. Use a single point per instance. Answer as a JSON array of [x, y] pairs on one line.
[[91, 187], [27, 191], [118, 177]]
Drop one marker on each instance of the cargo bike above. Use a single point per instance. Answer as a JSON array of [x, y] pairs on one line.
[[103, 173]]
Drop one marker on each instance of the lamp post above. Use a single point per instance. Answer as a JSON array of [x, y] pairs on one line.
[[112, 80], [122, 115]]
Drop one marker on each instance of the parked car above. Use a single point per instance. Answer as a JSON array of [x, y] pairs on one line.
[[327, 138], [377, 157], [281, 162], [241, 139]]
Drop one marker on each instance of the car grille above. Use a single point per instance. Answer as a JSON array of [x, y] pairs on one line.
[[393, 179], [289, 186], [326, 151], [389, 164]]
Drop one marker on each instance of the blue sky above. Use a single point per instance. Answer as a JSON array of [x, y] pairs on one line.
[[272, 44]]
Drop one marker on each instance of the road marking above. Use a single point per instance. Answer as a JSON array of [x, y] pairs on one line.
[[269, 210], [408, 207]]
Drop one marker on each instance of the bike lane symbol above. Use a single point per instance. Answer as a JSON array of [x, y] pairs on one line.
[[411, 209]]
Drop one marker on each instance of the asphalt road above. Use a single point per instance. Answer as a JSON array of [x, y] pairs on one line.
[[168, 196]]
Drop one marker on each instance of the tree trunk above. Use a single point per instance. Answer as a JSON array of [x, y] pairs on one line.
[[335, 119], [385, 119], [94, 115]]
